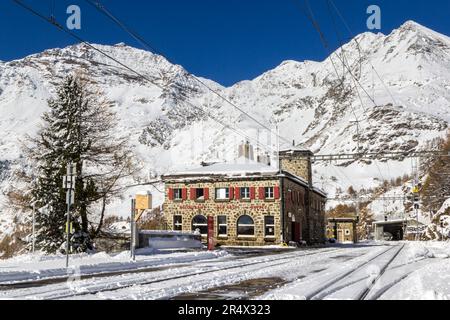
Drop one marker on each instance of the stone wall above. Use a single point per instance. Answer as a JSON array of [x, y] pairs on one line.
[[257, 209], [317, 219], [298, 166], [295, 209]]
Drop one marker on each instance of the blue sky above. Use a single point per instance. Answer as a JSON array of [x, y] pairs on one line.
[[224, 40]]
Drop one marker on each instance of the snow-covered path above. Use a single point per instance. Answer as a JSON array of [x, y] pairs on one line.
[[364, 271]]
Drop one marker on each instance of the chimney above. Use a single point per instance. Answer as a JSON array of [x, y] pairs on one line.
[[264, 158], [246, 151]]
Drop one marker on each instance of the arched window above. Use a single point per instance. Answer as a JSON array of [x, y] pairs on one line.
[[200, 222], [245, 226]]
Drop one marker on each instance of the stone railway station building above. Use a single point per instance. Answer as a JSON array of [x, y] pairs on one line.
[[252, 204]]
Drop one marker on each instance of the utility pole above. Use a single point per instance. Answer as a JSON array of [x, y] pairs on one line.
[[133, 230], [416, 193], [69, 185]]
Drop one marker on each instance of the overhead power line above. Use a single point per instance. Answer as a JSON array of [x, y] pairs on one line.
[[140, 75], [101, 8], [316, 26], [352, 34]]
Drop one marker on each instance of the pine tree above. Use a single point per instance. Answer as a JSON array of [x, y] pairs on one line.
[[436, 188], [77, 129], [364, 226]]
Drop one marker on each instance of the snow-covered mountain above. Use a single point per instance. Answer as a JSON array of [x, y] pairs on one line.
[[314, 103]]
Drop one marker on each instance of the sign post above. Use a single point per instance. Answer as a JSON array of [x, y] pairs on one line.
[[210, 233], [133, 230], [69, 185]]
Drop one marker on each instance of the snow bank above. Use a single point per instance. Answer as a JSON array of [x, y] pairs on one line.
[[38, 266]]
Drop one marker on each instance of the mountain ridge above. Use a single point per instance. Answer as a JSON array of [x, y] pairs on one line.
[[310, 103]]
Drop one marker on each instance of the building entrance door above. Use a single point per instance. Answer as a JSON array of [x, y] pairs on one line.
[[340, 237], [296, 232]]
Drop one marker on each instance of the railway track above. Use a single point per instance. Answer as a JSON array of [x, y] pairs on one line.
[[374, 281], [329, 287], [114, 284]]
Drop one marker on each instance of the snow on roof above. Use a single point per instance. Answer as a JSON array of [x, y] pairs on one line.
[[241, 166], [293, 150], [396, 221]]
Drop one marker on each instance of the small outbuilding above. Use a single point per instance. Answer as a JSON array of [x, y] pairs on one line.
[[343, 229]]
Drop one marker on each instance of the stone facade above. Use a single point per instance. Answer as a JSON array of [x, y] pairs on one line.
[[233, 209], [283, 206], [297, 163], [288, 208], [342, 229]]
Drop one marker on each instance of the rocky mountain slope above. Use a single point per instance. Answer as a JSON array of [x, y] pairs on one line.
[[315, 104]]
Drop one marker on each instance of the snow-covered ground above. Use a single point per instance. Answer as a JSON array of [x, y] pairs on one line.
[[31, 267], [403, 270]]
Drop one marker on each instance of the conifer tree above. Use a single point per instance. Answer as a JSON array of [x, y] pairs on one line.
[[79, 128]]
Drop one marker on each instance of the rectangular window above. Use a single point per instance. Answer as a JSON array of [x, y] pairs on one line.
[[270, 193], [178, 194], [222, 226], [178, 223], [222, 193], [269, 226], [200, 194], [245, 193]]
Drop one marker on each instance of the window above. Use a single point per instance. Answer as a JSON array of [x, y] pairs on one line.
[[269, 229], [177, 194], [177, 223], [245, 193], [200, 194], [201, 223], [222, 226], [270, 193], [222, 193], [245, 227]]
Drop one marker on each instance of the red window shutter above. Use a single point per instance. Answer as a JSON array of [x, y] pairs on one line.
[[277, 192], [237, 193], [206, 193], [170, 194], [184, 193], [252, 193], [193, 193], [262, 193], [231, 192]]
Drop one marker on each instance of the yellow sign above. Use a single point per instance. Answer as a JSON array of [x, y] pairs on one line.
[[143, 202], [415, 189]]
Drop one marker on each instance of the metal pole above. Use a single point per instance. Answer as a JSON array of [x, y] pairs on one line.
[[68, 227], [34, 228], [132, 230]]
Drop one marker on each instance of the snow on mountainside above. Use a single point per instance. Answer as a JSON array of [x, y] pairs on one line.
[[308, 101]]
